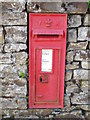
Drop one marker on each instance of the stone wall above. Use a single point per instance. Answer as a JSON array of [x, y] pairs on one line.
[[14, 54]]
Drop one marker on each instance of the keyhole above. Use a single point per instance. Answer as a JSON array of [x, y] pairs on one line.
[[40, 79]]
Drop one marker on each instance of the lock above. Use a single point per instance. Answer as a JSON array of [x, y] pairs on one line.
[[47, 49]]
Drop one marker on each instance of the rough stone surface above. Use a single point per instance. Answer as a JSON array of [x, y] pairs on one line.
[[81, 74], [87, 19], [5, 58], [68, 75], [74, 21], [76, 46], [82, 55], [12, 31], [15, 47], [70, 56], [84, 33], [72, 35], [85, 64], [84, 86], [74, 65], [80, 98]]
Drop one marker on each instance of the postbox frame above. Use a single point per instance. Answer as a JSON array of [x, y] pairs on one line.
[[32, 102]]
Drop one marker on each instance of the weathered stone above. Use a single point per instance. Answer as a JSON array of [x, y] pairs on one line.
[[5, 58], [82, 55], [15, 6], [13, 103], [12, 14], [74, 21], [87, 115], [72, 35], [71, 89], [74, 65], [52, 6], [83, 107], [1, 47], [80, 98], [87, 19], [68, 75], [77, 7], [14, 88], [77, 113], [19, 58], [16, 34], [14, 18], [81, 74], [84, 86], [67, 101], [84, 33], [15, 47], [1, 36], [85, 64], [76, 46], [70, 56]]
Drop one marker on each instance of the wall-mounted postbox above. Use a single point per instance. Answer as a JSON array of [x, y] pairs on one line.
[[47, 48]]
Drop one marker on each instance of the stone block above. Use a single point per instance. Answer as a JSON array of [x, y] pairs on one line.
[[13, 103], [16, 34], [84, 86], [81, 74], [5, 58], [74, 65], [68, 75], [85, 64], [87, 19], [72, 35], [83, 33], [76, 46], [15, 47], [79, 98], [70, 56], [74, 21]]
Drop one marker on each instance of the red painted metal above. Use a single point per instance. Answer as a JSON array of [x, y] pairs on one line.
[[47, 43]]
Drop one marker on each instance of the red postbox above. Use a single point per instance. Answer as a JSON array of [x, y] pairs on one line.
[[47, 48]]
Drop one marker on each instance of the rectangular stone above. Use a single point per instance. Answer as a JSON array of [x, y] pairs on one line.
[[87, 19], [14, 88], [72, 35], [5, 58], [81, 74], [76, 46], [13, 103], [85, 64], [16, 34], [79, 98], [19, 58], [15, 47], [84, 33], [74, 65]]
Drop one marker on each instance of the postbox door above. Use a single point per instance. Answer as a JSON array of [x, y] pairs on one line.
[[47, 86]]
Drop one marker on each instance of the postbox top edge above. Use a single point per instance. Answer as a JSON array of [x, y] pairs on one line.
[[46, 14]]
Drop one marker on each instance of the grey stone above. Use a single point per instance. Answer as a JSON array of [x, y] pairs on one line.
[[14, 88], [84, 33], [77, 113], [5, 58], [81, 74], [1, 36], [19, 58], [74, 65], [14, 18], [71, 89], [76, 7], [16, 34], [87, 19], [82, 55], [76, 46], [79, 98], [70, 56], [1, 47], [68, 75], [85, 64], [15, 47], [84, 86], [74, 21], [67, 101], [13, 103], [72, 35]]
